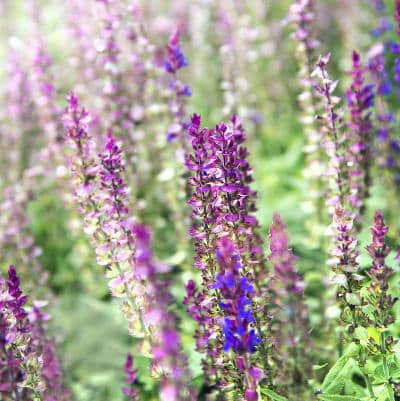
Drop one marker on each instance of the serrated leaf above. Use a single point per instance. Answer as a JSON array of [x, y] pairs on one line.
[[336, 370], [337, 385], [273, 395]]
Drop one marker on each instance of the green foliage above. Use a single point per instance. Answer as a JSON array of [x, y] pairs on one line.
[[330, 397], [272, 395]]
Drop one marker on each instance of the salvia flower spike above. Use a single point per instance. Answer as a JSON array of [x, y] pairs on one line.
[[360, 99], [291, 320]]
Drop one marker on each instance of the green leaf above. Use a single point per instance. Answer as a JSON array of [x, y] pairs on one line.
[[374, 334], [273, 395], [337, 386], [334, 397], [361, 333], [353, 298], [337, 371], [379, 375], [319, 367]]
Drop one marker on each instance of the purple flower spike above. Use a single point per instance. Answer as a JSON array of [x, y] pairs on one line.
[[291, 326], [379, 272], [360, 98], [283, 260], [228, 251], [28, 365], [175, 60]]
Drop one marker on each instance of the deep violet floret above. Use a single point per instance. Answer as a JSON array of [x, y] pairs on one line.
[[235, 292]]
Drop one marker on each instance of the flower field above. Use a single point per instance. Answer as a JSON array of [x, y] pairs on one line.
[[199, 200]]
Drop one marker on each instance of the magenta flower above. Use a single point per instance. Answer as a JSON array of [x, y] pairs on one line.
[[131, 375]]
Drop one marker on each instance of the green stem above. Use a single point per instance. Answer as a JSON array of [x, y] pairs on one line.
[[386, 367], [369, 386]]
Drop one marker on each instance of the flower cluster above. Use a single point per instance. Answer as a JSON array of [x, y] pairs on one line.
[[388, 146], [239, 53], [168, 359], [345, 265], [337, 171], [28, 365], [238, 329], [101, 193], [385, 119], [359, 99], [396, 47], [290, 313], [16, 351], [44, 96], [301, 15], [19, 121], [117, 105], [235, 302], [222, 200], [384, 24], [222, 204], [16, 239], [54, 388], [378, 296], [131, 375], [380, 273], [124, 247], [174, 61]]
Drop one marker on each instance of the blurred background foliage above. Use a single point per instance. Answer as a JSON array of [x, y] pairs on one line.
[[92, 334]]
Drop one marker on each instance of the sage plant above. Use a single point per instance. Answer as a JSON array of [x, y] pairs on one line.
[[388, 145], [123, 246], [29, 366], [116, 104], [222, 205], [360, 97], [20, 364], [302, 16], [291, 321], [240, 334], [381, 301], [348, 146], [174, 61], [44, 97], [337, 171]]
